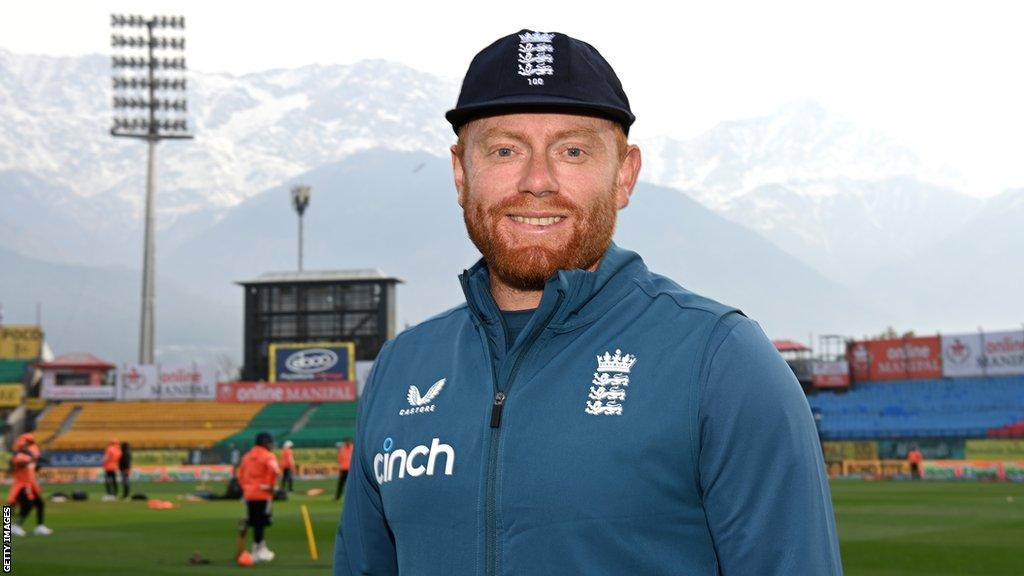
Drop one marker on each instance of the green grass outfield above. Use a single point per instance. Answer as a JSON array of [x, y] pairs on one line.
[[885, 529], [935, 528]]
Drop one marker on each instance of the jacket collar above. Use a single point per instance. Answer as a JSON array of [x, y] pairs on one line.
[[579, 296]]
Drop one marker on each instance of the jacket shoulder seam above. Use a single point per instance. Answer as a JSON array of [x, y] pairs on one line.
[[429, 321], [702, 368], [703, 305]]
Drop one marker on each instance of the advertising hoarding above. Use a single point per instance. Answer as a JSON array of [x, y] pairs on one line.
[[138, 382], [93, 388], [1011, 471], [902, 359], [201, 473], [983, 354], [187, 382], [849, 450], [972, 470], [313, 362], [74, 459], [11, 395], [835, 374], [167, 382], [20, 342], [338, 391], [993, 449]]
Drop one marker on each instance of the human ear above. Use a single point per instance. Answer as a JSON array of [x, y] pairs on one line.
[[459, 173], [629, 171]]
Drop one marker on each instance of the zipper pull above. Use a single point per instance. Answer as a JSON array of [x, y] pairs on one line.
[[499, 402]]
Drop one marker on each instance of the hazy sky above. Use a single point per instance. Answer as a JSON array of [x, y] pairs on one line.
[[945, 78]]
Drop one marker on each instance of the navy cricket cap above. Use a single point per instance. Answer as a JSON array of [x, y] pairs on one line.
[[540, 71], [264, 438]]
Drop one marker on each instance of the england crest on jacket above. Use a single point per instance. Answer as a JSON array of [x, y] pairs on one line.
[[608, 388]]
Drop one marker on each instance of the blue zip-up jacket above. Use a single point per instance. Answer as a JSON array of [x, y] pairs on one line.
[[633, 427]]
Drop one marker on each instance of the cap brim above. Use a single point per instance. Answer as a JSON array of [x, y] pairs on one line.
[[458, 117]]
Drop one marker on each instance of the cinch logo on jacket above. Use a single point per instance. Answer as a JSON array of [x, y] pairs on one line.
[[388, 464]]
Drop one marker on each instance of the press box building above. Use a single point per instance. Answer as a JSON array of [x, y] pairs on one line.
[[316, 306]]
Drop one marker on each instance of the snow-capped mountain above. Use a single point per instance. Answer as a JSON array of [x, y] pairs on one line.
[[258, 130], [801, 142], [848, 228], [843, 198], [251, 132]]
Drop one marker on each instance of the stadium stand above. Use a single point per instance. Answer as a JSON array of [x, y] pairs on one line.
[[327, 425], [278, 419], [939, 408], [13, 370], [151, 425], [1015, 430], [48, 426]]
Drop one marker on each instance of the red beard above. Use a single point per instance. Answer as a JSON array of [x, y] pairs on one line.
[[526, 265]]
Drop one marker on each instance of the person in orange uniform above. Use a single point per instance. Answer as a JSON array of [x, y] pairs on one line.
[[344, 460], [25, 488], [124, 464], [258, 473], [111, 461], [915, 459], [287, 465]]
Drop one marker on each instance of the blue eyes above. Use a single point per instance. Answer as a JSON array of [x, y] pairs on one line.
[[505, 152]]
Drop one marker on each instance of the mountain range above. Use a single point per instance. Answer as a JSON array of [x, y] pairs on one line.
[[805, 221]]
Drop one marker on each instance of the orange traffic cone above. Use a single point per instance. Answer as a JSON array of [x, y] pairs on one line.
[[245, 559]]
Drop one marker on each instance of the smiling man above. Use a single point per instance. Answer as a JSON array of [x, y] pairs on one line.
[[579, 414]]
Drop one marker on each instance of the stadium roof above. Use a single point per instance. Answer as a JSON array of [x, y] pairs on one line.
[[355, 275], [789, 346], [76, 360]]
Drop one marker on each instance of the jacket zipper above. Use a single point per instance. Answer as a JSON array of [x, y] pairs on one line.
[[498, 405]]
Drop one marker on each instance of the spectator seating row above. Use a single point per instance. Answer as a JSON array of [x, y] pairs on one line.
[[186, 425], [939, 408], [49, 424], [278, 419], [150, 424], [328, 424]]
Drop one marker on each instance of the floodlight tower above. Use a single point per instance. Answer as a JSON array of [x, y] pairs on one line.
[[300, 200], [143, 114]]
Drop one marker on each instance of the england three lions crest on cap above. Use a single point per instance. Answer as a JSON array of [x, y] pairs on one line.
[[608, 387], [536, 56]]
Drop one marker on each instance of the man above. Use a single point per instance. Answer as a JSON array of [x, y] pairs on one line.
[[258, 473], [344, 463], [579, 414], [111, 461], [915, 458], [124, 464], [25, 490], [287, 465]]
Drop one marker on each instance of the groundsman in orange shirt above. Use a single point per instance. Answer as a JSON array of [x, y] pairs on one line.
[[344, 463], [287, 465], [111, 457], [25, 488], [257, 473]]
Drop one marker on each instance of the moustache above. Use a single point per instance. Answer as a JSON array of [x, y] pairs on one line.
[[553, 203]]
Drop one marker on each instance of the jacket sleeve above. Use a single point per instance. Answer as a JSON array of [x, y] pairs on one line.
[[762, 476], [364, 544], [274, 469]]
